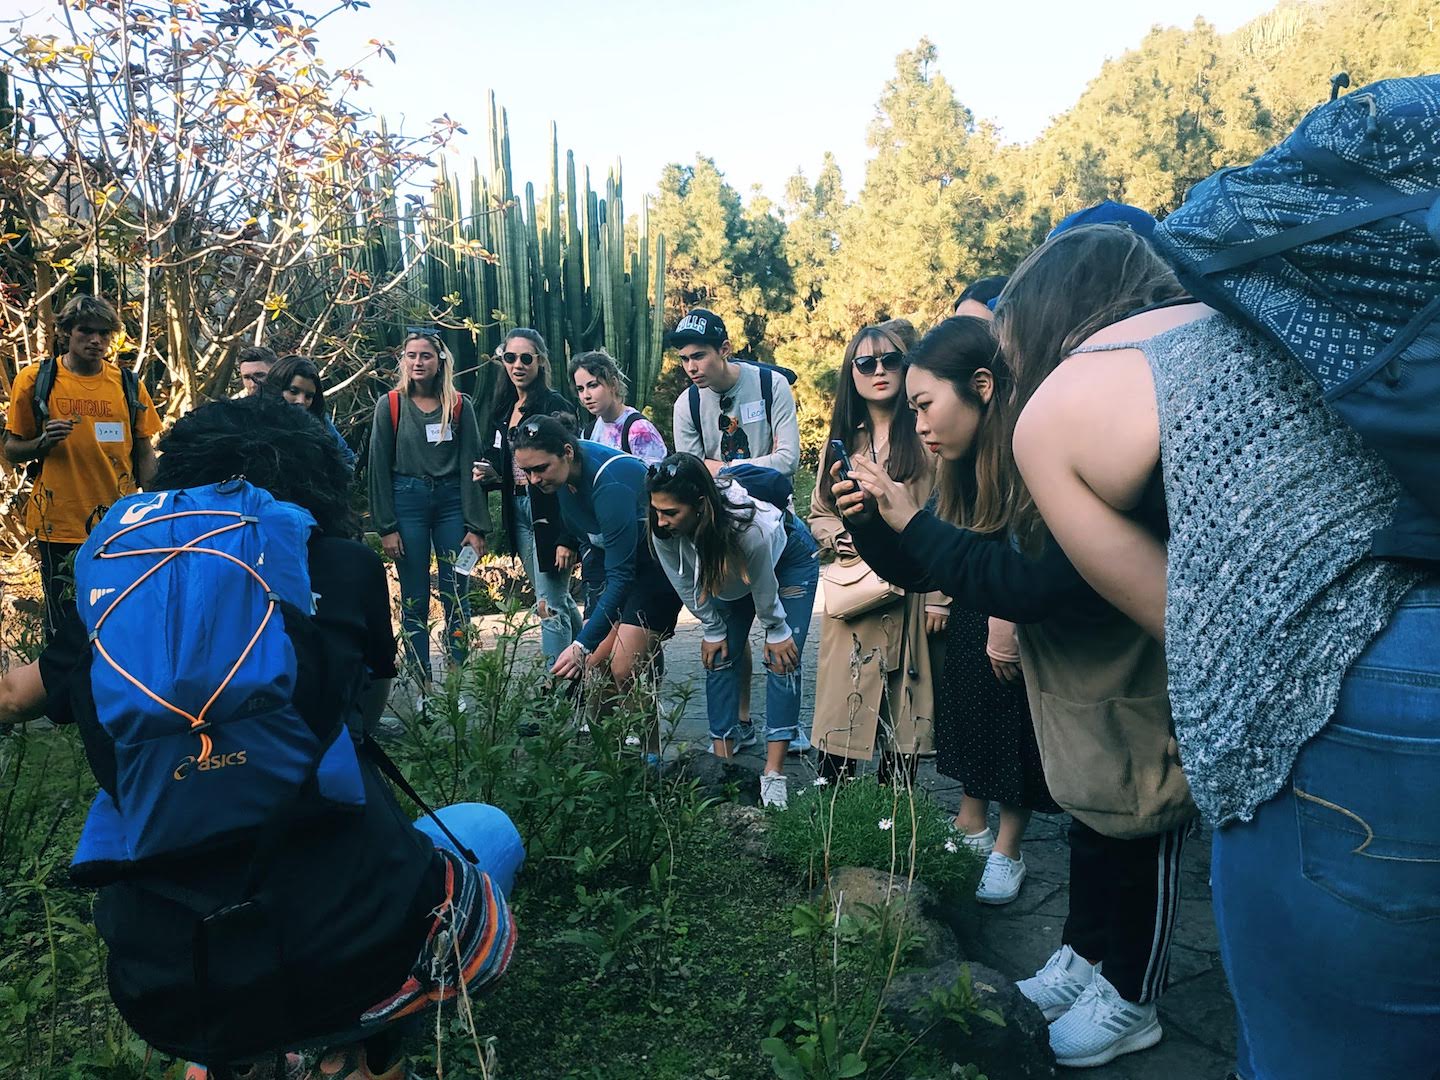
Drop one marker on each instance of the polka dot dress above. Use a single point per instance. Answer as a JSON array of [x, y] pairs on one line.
[[984, 737]]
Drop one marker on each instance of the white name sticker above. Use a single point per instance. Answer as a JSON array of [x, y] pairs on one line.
[[109, 431], [752, 411], [438, 433]]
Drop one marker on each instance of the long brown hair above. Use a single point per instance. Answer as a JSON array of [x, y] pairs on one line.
[[505, 394], [978, 491], [850, 414], [1071, 286], [718, 521]]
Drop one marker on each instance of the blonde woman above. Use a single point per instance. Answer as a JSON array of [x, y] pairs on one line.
[[423, 437]]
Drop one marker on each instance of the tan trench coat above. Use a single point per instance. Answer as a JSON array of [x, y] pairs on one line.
[[881, 658]]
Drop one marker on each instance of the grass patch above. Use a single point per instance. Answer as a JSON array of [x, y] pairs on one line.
[[866, 823]]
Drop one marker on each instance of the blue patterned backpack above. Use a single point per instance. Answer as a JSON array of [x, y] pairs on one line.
[[1330, 245], [196, 603]]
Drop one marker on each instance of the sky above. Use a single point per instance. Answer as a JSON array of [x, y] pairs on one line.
[[764, 87]]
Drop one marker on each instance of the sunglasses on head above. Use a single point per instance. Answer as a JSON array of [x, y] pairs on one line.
[[529, 429], [670, 469], [525, 358], [892, 361]]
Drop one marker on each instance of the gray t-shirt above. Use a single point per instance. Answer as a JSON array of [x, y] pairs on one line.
[[745, 434]]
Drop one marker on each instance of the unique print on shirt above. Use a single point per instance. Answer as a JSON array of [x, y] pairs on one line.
[[734, 443]]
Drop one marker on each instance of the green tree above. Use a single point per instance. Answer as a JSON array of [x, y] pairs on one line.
[[935, 210]]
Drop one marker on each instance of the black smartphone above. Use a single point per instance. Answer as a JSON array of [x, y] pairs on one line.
[[839, 453]]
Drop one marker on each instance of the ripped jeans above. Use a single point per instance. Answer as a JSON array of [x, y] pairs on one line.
[[562, 625], [798, 574], [1328, 901]]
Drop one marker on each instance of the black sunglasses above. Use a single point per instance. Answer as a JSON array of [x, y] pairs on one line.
[[892, 361], [525, 358], [664, 468], [528, 428]]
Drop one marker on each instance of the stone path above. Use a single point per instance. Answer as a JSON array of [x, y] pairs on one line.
[[1196, 1012]]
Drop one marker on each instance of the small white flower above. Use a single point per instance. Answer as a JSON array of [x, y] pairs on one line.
[[820, 781], [632, 740], [886, 824], [584, 729], [951, 846]]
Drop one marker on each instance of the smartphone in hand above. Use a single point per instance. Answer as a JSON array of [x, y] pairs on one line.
[[466, 560], [840, 454]]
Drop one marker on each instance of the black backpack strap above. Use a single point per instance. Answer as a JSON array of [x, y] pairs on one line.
[[694, 398], [130, 384], [40, 396], [625, 431], [392, 773], [767, 392], [1311, 231]]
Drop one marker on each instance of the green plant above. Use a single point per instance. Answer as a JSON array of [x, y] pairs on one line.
[[862, 822]]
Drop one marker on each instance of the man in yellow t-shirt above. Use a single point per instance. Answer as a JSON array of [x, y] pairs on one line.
[[90, 449]]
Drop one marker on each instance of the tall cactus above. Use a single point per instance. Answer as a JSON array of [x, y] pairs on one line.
[[560, 262]]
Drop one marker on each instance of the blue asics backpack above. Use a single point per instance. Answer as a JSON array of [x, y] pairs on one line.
[[186, 596], [1330, 245]]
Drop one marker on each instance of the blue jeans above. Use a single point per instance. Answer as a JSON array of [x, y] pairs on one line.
[[798, 574], [562, 625], [429, 518], [592, 574], [1328, 902]]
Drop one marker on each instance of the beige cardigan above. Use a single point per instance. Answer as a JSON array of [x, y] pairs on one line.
[[881, 662]]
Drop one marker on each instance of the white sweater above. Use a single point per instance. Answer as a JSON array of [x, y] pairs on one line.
[[762, 542]]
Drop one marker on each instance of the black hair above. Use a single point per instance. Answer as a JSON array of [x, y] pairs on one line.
[[256, 354], [269, 442], [552, 434], [982, 290], [906, 457], [284, 373], [685, 478]]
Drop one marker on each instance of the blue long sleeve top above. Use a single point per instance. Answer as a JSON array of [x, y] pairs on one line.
[[609, 510]]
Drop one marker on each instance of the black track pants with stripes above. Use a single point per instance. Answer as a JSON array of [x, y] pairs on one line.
[[1124, 897]]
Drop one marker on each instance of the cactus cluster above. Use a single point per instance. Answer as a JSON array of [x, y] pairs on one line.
[[491, 258]]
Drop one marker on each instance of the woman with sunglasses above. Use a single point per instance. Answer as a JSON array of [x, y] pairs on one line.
[[732, 558], [530, 515], [874, 687], [298, 381], [601, 495], [421, 496]]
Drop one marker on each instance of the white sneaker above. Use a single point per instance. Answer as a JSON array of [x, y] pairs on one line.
[[774, 790], [1001, 880], [1055, 986], [981, 843], [1101, 1026]]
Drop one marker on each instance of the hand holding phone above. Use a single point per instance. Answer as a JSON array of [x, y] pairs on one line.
[[840, 454]]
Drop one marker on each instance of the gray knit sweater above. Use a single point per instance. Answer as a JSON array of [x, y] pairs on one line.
[[1271, 593]]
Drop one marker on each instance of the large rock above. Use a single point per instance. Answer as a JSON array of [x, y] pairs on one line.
[[857, 886], [719, 778], [1020, 1050]]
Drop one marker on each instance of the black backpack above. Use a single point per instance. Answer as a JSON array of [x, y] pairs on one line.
[[40, 402], [624, 430]]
